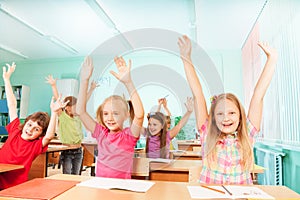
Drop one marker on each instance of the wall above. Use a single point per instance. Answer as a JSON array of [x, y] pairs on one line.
[[33, 73]]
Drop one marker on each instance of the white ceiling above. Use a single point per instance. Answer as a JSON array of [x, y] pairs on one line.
[[35, 29]]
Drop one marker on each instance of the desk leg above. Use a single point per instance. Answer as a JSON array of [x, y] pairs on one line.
[[39, 167]]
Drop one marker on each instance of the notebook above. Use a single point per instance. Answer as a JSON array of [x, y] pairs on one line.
[[38, 188]]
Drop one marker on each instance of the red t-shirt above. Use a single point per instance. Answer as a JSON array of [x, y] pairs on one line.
[[20, 152]]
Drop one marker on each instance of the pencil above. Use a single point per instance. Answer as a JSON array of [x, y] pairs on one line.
[[213, 189], [166, 96], [226, 190]]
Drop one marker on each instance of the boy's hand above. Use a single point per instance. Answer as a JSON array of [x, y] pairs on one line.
[[185, 47], [124, 70], [50, 80], [87, 68], [269, 51], [10, 69]]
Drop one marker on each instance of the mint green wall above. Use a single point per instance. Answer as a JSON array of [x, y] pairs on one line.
[[291, 164], [33, 73]]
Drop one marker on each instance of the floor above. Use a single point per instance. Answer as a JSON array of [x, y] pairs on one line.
[[54, 170]]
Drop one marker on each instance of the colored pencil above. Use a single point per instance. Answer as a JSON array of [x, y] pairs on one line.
[[226, 190], [213, 189]]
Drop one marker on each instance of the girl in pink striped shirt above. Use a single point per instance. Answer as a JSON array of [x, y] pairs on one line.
[[226, 133]]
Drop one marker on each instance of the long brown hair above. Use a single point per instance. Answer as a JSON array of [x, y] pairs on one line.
[[42, 119], [245, 146], [99, 112], [163, 133]]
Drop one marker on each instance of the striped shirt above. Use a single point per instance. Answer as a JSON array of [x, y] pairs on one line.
[[227, 169]]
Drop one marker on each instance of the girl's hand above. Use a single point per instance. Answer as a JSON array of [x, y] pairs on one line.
[[189, 104], [94, 85], [124, 70], [87, 68], [57, 105], [185, 47], [269, 51], [10, 69], [50, 80], [163, 101]]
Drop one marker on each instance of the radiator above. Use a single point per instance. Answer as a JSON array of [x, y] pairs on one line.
[[272, 162]]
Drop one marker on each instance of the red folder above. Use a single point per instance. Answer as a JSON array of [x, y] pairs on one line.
[[38, 188]]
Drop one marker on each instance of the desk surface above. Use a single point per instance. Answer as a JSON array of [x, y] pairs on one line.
[[9, 167], [160, 190], [186, 165], [58, 147]]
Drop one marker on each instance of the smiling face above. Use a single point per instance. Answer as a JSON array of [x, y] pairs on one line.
[[31, 130], [114, 114], [154, 126], [227, 116]]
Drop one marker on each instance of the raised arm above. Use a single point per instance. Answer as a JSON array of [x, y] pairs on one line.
[[91, 90], [87, 68], [55, 107], [125, 77], [51, 81], [256, 103], [189, 109], [163, 102], [10, 97], [201, 113]]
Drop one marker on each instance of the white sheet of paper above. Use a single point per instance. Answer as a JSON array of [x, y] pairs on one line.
[[198, 192], [114, 183], [160, 160]]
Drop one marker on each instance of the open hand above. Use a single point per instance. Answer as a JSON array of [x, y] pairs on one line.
[[124, 70], [185, 47], [87, 68], [10, 69]]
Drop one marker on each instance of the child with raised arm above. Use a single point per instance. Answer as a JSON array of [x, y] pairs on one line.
[[158, 136], [227, 134], [25, 141], [70, 130], [115, 143]]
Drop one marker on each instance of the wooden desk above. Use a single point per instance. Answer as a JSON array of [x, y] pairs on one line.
[[9, 167], [177, 170], [160, 190], [185, 155], [188, 145], [39, 166]]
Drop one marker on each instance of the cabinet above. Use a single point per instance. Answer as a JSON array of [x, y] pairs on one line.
[[21, 93]]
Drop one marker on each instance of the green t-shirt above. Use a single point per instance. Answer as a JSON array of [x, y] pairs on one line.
[[69, 129]]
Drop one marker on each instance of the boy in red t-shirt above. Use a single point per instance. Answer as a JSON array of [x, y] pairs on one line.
[[25, 141]]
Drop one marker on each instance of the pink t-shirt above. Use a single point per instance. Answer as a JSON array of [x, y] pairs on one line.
[[115, 152], [154, 146], [18, 151]]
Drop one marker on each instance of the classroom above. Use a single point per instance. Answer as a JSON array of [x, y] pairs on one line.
[[55, 37]]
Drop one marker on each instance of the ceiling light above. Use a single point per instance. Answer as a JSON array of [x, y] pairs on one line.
[[51, 38], [13, 51]]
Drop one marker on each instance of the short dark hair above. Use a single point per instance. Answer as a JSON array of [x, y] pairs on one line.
[[42, 119]]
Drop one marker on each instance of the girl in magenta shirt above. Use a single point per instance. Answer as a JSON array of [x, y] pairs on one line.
[[157, 134], [115, 143]]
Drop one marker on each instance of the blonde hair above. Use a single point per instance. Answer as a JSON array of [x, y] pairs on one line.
[[213, 136], [114, 98]]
